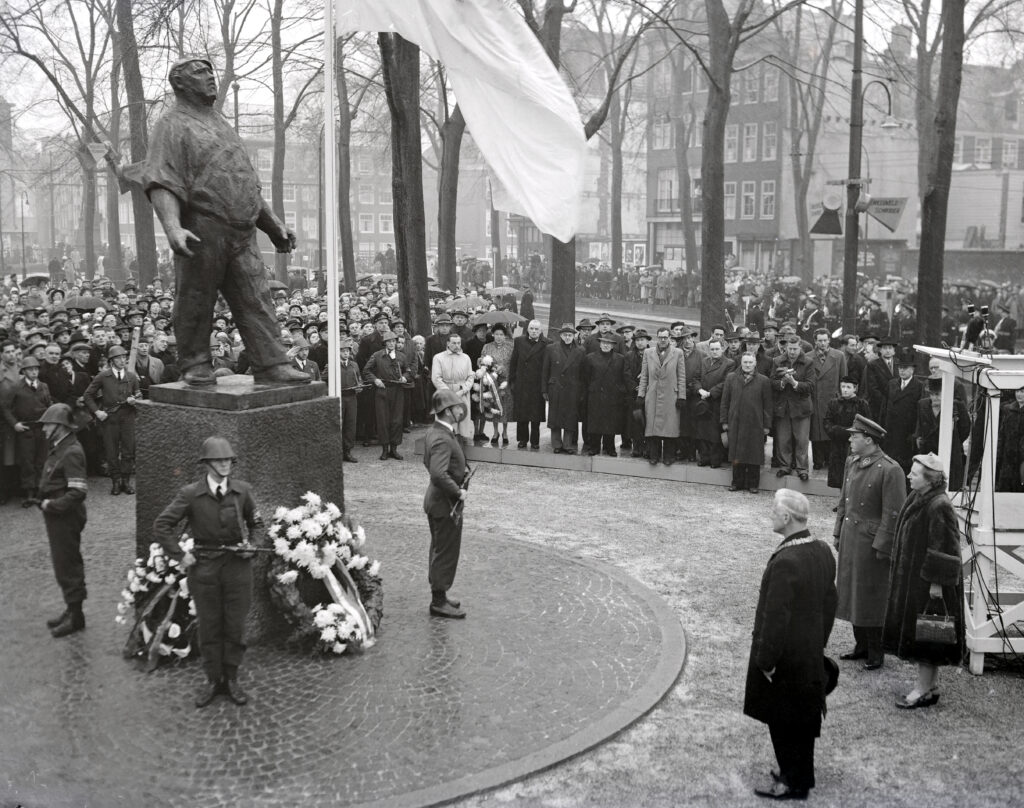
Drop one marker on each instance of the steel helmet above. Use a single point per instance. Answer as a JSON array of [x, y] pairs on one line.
[[116, 351], [57, 414], [216, 448], [443, 399]]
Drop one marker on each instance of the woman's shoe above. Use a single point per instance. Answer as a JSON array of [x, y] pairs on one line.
[[924, 700], [494, 441], [504, 442]]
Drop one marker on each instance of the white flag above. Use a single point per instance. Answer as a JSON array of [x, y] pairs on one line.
[[517, 108]]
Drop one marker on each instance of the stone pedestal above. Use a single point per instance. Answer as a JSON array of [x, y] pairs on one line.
[[288, 442]]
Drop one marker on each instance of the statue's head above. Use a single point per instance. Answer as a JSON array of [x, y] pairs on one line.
[[192, 78]]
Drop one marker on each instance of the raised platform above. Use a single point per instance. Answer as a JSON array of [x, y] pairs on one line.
[[637, 467], [236, 392]]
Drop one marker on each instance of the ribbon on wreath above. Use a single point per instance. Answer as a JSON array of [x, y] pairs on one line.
[[344, 592]]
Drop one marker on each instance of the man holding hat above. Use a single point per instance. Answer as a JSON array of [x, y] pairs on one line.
[[111, 398], [444, 500], [206, 193], [221, 513], [872, 494], [22, 407], [62, 491]]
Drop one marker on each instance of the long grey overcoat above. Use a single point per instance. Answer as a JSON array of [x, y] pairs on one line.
[[870, 500], [825, 373], [662, 383]]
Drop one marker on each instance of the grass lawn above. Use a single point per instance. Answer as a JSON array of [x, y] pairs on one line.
[[703, 550]]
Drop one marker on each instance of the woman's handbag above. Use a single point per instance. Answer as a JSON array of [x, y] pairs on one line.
[[938, 629]]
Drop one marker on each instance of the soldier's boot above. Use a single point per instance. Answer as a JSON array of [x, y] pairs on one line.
[[53, 622], [72, 621], [126, 485], [384, 453], [115, 486]]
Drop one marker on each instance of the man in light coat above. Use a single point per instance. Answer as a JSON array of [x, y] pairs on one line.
[[870, 500], [828, 366], [662, 394], [453, 370]]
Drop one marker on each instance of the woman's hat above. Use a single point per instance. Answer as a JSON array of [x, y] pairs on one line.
[[931, 461]]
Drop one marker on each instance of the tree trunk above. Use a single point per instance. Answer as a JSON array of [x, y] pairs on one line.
[[447, 197], [616, 114], [344, 167], [683, 180], [113, 261], [936, 196], [88, 206], [277, 170], [496, 272], [401, 67], [145, 234]]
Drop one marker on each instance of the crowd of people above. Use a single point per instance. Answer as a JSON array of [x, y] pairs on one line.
[[600, 387]]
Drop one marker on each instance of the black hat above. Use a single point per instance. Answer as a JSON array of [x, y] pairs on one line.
[[849, 380], [567, 328], [906, 358], [585, 323], [889, 339], [640, 333], [867, 427], [625, 327], [458, 312], [771, 324], [444, 319], [605, 318]]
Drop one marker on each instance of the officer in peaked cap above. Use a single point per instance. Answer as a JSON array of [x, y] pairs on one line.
[[222, 517]]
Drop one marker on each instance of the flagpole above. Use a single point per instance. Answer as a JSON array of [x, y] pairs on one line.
[[331, 207]]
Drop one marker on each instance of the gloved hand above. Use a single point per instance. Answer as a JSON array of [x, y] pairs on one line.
[[881, 556], [679, 404], [639, 403]]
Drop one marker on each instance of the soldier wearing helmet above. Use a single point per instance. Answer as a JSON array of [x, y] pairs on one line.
[[62, 490], [221, 513], [22, 405], [445, 460], [111, 398]]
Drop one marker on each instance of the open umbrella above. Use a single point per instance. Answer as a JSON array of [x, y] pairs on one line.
[[498, 316], [35, 280], [83, 302], [506, 290], [469, 302]]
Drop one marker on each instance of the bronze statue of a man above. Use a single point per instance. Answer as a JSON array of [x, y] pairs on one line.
[[207, 195]]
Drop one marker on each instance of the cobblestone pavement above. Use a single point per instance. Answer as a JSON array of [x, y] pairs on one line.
[[556, 655]]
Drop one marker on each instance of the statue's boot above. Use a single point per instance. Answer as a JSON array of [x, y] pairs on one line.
[[199, 375], [281, 374]]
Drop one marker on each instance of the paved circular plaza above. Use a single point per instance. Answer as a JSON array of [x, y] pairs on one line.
[[557, 655]]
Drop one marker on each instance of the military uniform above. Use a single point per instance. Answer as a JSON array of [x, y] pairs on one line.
[[220, 582], [63, 488], [446, 462], [871, 497]]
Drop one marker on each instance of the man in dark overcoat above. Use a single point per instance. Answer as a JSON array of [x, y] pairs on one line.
[[828, 366], [634, 360], [221, 513], [870, 500], [605, 385], [23, 404], [746, 414], [786, 678], [707, 412], [443, 502], [878, 373], [525, 376], [899, 413], [560, 379], [693, 359]]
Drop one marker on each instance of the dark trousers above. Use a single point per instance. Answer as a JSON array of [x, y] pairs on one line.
[[64, 531], [91, 438], [389, 405], [564, 438], [659, 448], [820, 450], [869, 639], [794, 750], [712, 453], [119, 442], [349, 414], [30, 448], [445, 544], [528, 431], [365, 426], [222, 590], [746, 475], [228, 260], [602, 443], [636, 436], [687, 447]]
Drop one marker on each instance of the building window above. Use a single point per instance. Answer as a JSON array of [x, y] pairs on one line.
[[771, 84], [730, 200], [697, 197], [309, 194], [732, 133], [661, 135], [367, 249], [748, 199], [386, 223], [1010, 153], [749, 142], [983, 150], [662, 80], [365, 165], [768, 199], [365, 222], [384, 194], [1011, 108], [666, 200], [958, 150], [309, 226], [289, 219], [770, 141], [751, 85], [686, 80], [365, 194], [697, 134], [288, 193], [265, 160]]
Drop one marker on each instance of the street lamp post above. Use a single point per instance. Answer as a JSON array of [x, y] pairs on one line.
[[234, 88], [854, 183]]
